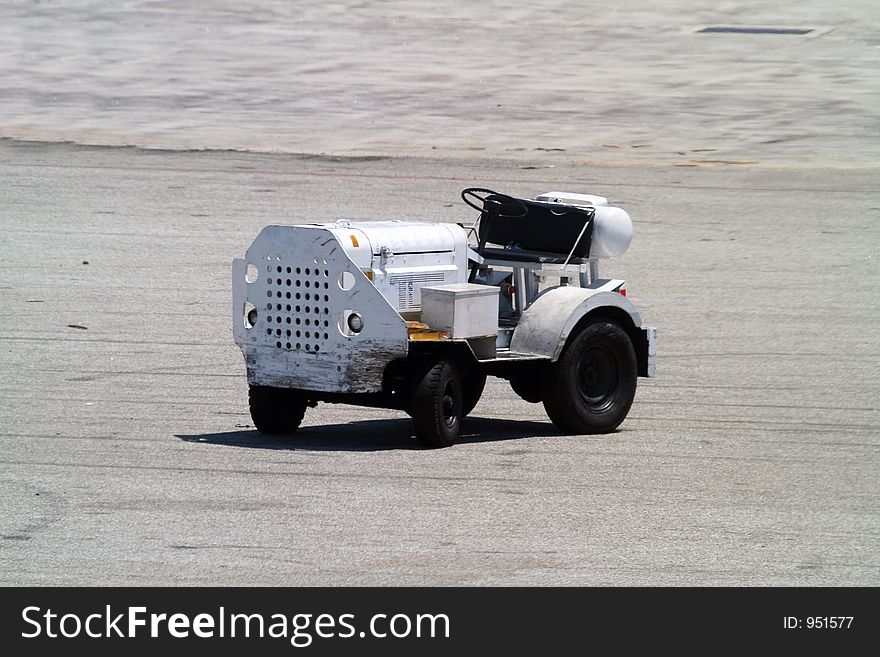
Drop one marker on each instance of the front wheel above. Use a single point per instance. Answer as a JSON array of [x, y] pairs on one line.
[[591, 387], [437, 405], [276, 410]]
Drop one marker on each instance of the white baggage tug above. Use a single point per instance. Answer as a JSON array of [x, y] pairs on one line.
[[413, 315]]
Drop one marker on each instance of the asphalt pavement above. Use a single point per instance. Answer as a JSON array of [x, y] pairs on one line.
[[128, 456]]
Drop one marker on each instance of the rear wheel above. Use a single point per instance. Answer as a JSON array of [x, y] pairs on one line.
[[591, 387], [437, 405], [276, 410]]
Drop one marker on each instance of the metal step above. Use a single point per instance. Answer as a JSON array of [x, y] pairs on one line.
[[506, 355]]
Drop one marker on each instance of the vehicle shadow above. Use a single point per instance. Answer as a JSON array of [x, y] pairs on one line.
[[372, 435]]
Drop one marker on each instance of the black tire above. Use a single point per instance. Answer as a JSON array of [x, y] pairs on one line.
[[437, 405], [471, 390], [276, 410], [529, 387], [591, 387]]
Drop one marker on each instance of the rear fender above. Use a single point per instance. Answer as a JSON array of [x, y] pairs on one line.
[[557, 314]]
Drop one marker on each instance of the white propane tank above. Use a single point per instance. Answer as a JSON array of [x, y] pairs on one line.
[[612, 232]]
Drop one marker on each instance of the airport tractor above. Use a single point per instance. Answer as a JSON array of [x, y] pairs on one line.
[[415, 315]]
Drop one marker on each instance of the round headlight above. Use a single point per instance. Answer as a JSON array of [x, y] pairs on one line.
[[355, 323], [252, 317]]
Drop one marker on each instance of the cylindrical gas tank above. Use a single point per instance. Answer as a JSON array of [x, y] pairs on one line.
[[363, 240], [612, 232]]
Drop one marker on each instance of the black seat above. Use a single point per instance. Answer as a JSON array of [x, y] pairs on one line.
[[545, 233]]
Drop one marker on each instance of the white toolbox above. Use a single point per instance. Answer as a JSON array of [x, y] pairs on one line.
[[464, 310]]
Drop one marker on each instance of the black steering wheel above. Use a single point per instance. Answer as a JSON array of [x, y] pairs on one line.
[[476, 192]]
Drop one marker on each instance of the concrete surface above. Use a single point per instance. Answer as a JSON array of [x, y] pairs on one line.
[[127, 452]]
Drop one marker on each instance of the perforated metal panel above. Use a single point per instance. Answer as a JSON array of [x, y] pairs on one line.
[[297, 309], [305, 288]]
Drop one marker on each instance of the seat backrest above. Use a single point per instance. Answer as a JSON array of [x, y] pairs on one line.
[[546, 227]]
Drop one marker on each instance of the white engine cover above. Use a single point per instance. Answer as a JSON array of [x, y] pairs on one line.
[[401, 257]]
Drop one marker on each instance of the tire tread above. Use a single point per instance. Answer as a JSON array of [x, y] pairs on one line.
[[427, 415]]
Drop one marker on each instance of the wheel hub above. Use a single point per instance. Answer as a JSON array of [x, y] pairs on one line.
[[598, 377], [448, 406]]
